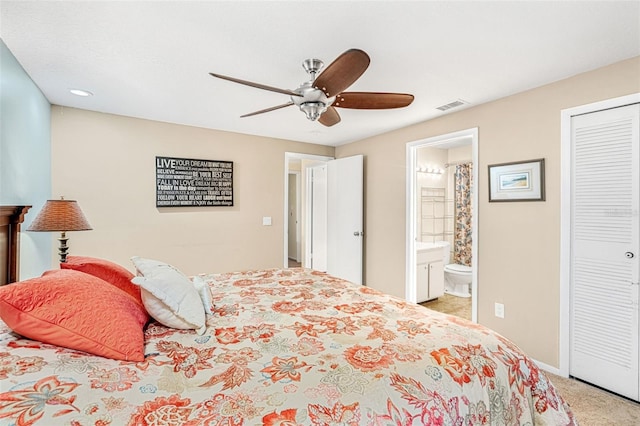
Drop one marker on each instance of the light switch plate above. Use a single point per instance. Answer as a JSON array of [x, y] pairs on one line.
[[266, 220]]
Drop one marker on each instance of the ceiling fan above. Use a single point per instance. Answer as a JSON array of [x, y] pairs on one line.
[[319, 97]]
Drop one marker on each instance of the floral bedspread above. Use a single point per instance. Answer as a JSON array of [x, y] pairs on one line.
[[287, 347]]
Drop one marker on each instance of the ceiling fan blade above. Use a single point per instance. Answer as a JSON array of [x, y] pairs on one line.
[[267, 109], [329, 117], [342, 72], [372, 100], [256, 85]]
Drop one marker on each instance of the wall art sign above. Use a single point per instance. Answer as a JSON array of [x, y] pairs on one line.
[[518, 181], [186, 182]]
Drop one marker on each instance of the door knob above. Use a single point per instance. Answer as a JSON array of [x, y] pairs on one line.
[[629, 255], [358, 234]]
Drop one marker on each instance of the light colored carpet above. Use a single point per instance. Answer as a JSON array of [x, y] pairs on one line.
[[595, 407]]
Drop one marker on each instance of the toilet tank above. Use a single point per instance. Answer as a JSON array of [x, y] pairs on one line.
[[446, 247]]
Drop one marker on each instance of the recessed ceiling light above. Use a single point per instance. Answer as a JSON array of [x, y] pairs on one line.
[[80, 92]]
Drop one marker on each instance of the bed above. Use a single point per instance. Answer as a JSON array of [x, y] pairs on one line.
[[278, 347]]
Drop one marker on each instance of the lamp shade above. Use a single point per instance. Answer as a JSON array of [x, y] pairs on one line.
[[60, 215]]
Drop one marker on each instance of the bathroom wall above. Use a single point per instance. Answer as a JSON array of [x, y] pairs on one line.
[[427, 226], [435, 157]]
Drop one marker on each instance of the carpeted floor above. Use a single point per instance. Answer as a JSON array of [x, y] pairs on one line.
[[595, 407]]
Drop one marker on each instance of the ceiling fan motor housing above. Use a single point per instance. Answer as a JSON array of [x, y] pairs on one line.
[[313, 102]]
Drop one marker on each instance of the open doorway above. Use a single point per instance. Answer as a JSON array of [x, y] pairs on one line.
[[296, 229], [442, 206], [332, 217], [294, 220]]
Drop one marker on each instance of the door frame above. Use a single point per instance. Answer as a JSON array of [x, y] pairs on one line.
[[288, 156], [411, 153], [565, 218], [298, 191]]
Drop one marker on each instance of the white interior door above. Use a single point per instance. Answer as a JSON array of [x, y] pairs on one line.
[[345, 230], [605, 254], [317, 258]]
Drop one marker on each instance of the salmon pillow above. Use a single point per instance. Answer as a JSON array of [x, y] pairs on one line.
[[77, 311], [109, 271]]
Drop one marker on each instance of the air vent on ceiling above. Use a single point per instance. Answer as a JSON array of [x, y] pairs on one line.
[[451, 105]]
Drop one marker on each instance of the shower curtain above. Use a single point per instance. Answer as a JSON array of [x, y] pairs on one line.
[[463, 213]]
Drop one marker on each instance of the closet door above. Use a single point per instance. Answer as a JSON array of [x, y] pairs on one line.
[[605, 249]]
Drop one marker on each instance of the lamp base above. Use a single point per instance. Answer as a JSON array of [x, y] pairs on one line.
[[63, 248]]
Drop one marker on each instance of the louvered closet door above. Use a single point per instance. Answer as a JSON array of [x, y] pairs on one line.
[[605, 252]]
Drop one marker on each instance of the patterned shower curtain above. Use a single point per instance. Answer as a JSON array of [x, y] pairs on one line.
[[463, 213]]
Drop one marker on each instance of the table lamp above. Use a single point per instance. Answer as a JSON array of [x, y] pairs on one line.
[[60, 215]]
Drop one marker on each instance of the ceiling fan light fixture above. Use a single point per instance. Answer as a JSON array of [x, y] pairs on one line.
[[313, 110]]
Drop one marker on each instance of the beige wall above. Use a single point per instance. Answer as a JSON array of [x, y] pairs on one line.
[[518, 242], [460, 154], [107, 163]]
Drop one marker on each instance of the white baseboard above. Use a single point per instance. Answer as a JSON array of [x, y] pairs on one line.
[[548, 368]]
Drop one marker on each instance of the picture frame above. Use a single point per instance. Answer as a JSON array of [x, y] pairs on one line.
[[517, 181], [189, 182]]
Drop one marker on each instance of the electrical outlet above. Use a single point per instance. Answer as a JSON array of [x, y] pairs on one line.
[[499, 310]]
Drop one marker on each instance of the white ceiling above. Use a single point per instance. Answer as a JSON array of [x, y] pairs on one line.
[[151, 59]]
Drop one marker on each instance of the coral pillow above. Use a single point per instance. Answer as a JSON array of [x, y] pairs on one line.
[[169, 296], [78, 311], [109, 271]]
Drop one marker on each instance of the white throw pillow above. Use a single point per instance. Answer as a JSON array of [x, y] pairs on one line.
[[169, 296], [205, 293]]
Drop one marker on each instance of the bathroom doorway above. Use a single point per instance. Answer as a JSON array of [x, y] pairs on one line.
[[442, 206]]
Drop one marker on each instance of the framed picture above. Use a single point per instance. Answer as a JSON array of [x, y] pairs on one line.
[[518, 181], [187, 182]]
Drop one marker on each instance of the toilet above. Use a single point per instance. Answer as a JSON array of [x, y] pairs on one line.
[[457, 278]]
